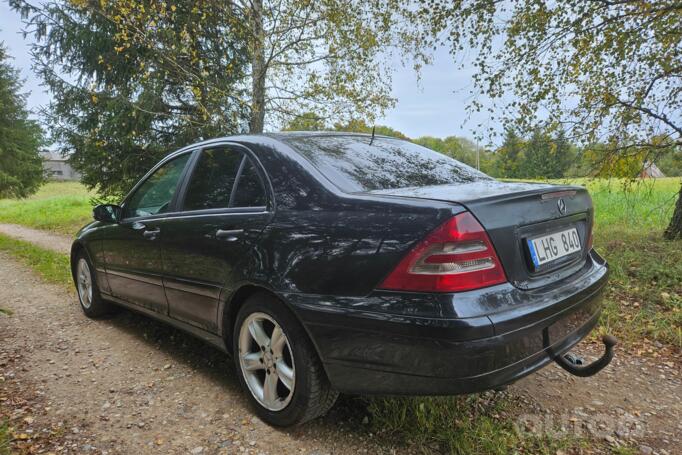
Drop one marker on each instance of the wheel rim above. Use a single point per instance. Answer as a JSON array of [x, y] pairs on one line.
[[84, 280], [266, 361]]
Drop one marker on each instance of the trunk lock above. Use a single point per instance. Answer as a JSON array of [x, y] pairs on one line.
[[574, 364]]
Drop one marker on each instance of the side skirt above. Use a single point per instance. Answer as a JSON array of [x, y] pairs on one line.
[[203, 335]]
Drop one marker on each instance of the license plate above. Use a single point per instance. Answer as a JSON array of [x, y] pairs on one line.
[[553, 246]]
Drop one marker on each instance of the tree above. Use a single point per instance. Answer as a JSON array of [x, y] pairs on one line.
[[672, 232], [547, 157], [21, 168], [361, 126], [331, 57], [142, 76], [306, 122], [608, 71], [510, 155], [671, 163], [120, 104], [601, 161]]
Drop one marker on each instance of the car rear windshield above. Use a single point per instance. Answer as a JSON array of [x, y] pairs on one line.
[[354, 165]]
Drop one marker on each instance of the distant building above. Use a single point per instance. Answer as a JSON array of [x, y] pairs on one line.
[[57, 167], [651, 171]]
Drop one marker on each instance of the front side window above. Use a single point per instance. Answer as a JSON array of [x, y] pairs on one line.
[[212, 180], [156, 193]]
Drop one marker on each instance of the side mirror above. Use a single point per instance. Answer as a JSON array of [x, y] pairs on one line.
[[108, 213]]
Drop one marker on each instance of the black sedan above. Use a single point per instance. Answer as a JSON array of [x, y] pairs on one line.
[[329, 262]]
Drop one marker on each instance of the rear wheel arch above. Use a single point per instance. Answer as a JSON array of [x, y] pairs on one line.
[[314, 395], [237, 300], [231, 308]]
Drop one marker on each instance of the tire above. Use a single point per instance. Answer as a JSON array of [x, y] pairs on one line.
[[85, 279], [301, 389]]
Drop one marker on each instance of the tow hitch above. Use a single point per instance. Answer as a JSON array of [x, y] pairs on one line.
[[574, 364]]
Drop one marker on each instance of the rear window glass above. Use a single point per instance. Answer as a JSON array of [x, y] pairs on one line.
[[250, 191], [211, 184], [354, 165]]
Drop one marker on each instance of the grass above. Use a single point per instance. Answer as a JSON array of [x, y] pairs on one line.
[[5, 438], [62, 207], [473, 425], [53, 267], [634, 206], [644, 298]]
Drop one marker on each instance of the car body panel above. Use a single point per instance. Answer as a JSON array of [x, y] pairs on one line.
[[370, 351], [198, 266], [133, 264]]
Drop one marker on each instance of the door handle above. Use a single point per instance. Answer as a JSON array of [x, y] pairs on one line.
[[229, 235], [151, 234]]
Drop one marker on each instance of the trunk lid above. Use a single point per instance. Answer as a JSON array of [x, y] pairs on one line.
[[513, 213]]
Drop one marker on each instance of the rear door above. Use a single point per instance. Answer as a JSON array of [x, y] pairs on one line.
[[132, 247], [224, 207]]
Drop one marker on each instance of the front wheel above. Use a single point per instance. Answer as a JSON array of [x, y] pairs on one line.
[[90, 299], [277, 364]]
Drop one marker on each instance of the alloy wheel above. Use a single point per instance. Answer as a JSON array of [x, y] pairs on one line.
[[266, 361], [84, 280]]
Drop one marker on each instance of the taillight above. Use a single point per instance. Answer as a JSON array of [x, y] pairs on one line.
[[457, 256]]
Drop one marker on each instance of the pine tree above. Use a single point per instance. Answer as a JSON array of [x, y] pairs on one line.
[[21, 169], [510, 156], [119, 105]]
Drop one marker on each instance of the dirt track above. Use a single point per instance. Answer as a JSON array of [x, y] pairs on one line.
[[44, 239], [130, 385]]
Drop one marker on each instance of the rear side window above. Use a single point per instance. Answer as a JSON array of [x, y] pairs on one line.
[[250, 191], [354, 165], [212, 179]]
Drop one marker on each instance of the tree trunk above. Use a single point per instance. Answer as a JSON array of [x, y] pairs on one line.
[[674, 230], [257, 120]]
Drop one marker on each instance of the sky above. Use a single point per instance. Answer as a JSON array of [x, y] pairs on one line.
[[434, 105]]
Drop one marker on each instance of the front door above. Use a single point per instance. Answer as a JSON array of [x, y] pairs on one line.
[[224, 210], [132, 247]]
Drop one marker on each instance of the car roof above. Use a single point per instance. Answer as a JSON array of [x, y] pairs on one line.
[[296, 134], [280, 136]]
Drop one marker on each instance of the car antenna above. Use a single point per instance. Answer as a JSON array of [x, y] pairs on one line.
[[372, 139]]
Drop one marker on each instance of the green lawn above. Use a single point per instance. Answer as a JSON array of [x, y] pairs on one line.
[[638, 206], [62, 207], [52, 266]]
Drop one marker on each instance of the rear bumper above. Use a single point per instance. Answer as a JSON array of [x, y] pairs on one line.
[[420, 344]]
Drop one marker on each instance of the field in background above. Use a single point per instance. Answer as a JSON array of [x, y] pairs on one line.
[[62, 207], [626, 204], [65, 207]]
